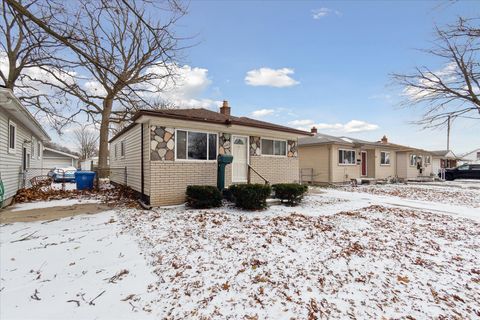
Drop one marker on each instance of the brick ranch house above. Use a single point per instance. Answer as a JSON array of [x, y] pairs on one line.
[[164, 151]]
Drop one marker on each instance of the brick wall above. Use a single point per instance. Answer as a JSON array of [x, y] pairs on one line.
[[169, 180], [275, 169]]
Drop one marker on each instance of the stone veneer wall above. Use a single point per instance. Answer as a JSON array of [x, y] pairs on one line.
[[292, 149], [255, 146], [162, 143], [224, 143]]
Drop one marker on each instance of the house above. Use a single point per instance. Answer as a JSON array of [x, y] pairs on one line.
[[21, 143], [164, 151], [443, 159], [58, 159], [414, 163], [472, 157], [329, 159]]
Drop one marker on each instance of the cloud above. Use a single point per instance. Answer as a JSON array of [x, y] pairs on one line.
[[323, 12], [430, 83], [185, 89], [352, 126], [278, 78], [262, 113]]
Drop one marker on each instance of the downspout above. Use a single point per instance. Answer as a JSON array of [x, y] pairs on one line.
[[141, 201]]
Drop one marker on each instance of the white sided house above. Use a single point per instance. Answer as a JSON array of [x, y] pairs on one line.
[[472, 157], [53, 158], [164, 151], [21, 143]]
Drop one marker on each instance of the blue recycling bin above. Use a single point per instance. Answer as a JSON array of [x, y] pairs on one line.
[[84, 180]]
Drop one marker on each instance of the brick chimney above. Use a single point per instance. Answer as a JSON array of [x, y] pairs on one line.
[[384, 140], [313, 130], [225, 109]]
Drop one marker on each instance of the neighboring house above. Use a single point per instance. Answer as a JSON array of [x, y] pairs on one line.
[[329, 159], [443, 159], [413, 163], [58, 159], [21, 142], [164, 151], [472, 157], [91, 163]]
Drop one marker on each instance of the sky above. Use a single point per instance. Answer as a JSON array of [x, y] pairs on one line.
[[323, 63]]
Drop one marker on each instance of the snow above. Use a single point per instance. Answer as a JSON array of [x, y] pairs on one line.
[[52, 203], [71, 260], [342, 253]]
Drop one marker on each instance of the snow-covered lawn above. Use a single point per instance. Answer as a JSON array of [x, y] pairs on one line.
[[338, 255], [450, 192]]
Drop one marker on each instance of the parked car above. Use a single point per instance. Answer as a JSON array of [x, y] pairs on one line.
[[63, 174], [466, 171]]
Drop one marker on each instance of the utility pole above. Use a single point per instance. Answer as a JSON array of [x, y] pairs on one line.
[[448, 133]]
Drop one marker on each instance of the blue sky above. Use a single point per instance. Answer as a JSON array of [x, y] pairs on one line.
[[323, 63], [338, 64]]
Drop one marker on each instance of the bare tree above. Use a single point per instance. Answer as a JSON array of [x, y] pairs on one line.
[[86, 140], [453, 91], [123, 56], [24, 50]]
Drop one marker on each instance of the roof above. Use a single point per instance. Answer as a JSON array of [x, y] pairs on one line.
[[61, 152], [444, 154], [209, 116], [320, 138], [12, 105]]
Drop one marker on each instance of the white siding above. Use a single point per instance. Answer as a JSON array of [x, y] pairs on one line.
[[131, 160], [11, 163]]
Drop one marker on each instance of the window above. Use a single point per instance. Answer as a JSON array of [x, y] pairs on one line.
[[40, 151], [427, 159], [12, 137], [33, 144], [346, 157], [193, 145], [122, 149], [385, 158], [274, 147], [464, 167], [478, 155], [115, 150], [413, 160]]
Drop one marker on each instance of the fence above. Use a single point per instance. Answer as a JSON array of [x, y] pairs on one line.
[[26, 175]]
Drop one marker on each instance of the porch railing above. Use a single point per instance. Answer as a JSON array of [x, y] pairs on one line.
[[249, 175]]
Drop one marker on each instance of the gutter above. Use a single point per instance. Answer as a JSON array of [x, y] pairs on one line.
[[141, 201]]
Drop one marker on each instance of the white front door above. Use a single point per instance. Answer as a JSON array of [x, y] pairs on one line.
[[240, 159]]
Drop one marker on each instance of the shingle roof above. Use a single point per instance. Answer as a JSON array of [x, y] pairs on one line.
[[204, 115]]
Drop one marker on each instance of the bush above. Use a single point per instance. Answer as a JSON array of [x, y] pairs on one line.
[[250, 196], [203, 197], [290, 192]]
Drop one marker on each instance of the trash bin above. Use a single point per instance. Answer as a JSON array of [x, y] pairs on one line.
[[84, 180]]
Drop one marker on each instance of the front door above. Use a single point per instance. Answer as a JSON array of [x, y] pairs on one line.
[[364, 163], [240, 159]]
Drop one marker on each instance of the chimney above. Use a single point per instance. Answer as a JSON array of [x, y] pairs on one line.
[[384, 140], [225, 109], [313, 130]]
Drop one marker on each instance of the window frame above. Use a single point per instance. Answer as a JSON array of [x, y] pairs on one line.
[[389, 159], [347, 164], [412, 156], [273, 147], [425, 157], [115, 149], [123, 149], [33, 144], [14, 149], [186, 146], [39, 147]]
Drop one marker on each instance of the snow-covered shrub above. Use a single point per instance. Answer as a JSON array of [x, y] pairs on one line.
[[203, 197], [292, 193], [250, 196]]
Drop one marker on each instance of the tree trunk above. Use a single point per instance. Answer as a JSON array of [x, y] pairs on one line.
[[104, 129]]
